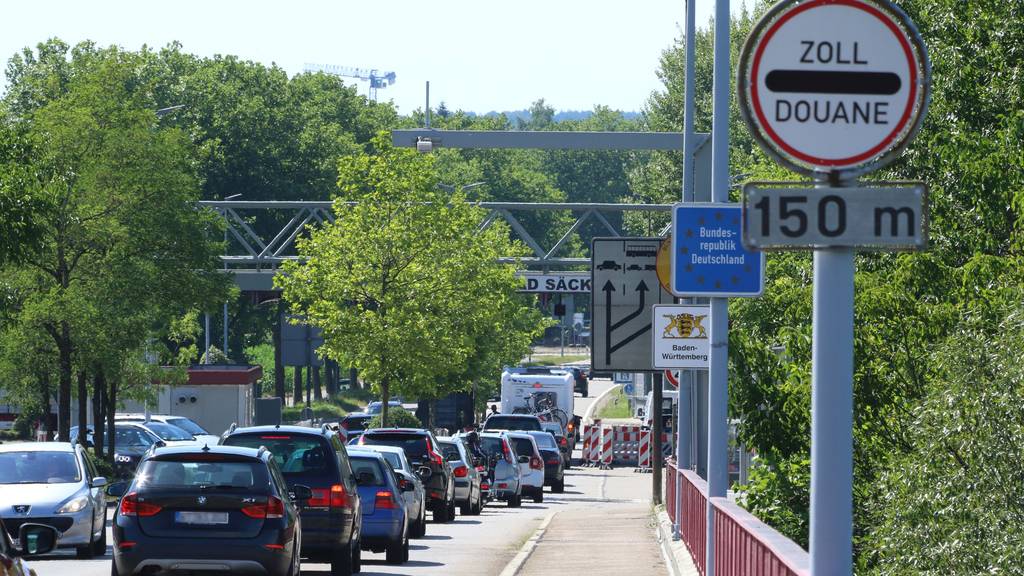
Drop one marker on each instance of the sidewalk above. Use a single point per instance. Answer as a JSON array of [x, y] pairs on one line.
[[608, 538]]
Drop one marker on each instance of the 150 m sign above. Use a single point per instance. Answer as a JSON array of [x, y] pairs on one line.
[[784, 216]]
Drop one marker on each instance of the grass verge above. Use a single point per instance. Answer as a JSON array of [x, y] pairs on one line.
[[616, 407]]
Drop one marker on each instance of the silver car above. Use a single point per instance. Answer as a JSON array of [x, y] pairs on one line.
[[468, 494], [415, 499], [54, 484], [505, 477]]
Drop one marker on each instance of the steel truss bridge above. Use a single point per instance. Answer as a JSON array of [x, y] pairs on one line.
[[262, 234]]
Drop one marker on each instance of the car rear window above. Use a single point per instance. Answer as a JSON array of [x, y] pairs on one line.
[[39, 467], [414, 445], [299, 456], [362, 465], [545, 440], [449, 450], [356, 422], [523, 446], [204, 470], [511, 423], [187, 425], [490, 445]]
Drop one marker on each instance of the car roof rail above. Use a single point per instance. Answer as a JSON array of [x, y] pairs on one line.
[[325, 428], [261, 451]]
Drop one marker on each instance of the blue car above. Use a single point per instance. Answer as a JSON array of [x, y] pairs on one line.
[[385, 519]]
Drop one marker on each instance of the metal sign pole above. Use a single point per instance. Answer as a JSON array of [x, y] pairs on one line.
[[831, 532], [686, 378], [718, 385]]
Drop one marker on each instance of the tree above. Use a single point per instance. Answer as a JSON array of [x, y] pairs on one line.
[[402, 278]]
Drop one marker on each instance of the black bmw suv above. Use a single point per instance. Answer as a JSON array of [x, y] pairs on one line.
[[207, 508], [317, 458], [421, 449]]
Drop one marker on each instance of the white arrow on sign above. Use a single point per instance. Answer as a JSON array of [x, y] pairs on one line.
[[833, 84]]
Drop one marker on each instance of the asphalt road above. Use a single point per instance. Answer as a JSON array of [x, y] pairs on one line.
[[470, 545]]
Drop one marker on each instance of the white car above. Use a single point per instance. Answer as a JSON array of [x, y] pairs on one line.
[[186, 424], [531, 465]]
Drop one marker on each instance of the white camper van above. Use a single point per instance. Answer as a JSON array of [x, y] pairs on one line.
[[529, 392]]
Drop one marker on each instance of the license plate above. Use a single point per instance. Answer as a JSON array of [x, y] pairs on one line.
[[201, 517]]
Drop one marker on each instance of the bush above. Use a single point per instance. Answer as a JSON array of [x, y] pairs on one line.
[[397, 418], [321, 411], [106, 469]]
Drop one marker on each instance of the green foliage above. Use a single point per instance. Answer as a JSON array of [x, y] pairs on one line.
[[617, 406], [951, 505], [396, 419], [778, 493], [321, 410], [403, 285]]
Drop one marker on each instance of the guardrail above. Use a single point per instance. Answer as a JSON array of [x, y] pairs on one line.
[[744, 546]]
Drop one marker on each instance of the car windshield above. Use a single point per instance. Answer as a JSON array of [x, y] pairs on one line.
[[545, 440], [499, 422], [450, 451], [168, 432], [201, 470], [130, 436], [414, 445], [297, 455], [523, 446], [42, 467], [187, 425], [365, 468]]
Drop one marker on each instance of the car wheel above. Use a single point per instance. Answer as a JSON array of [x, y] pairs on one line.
[[100, 546], [113, 569], [419, 528], [89, 550], [538, 496], [451, 510], [515, 501], [441, 513], [559, 487], [398, 552], [341, 562]]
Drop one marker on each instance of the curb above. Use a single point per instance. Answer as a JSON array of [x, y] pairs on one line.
[[520, 558], [598, 402], [663, 532]]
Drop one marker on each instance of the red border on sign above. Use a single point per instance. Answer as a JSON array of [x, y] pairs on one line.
[[911, 97]]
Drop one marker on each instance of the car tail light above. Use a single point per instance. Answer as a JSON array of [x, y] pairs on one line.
[[503, 485], [386, 500], [275, 437], [433, 455], [481, 468], [126, 544], [553, 461], [506, 451], [132, 506], [536, 463], [461, 472], [485, 486], [273, 508], [334, 497], [274, 547]]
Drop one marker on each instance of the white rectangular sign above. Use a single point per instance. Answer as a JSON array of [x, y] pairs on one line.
[[567, 282], [681, 336]]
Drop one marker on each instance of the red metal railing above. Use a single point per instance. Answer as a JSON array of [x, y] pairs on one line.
[[744, 546]]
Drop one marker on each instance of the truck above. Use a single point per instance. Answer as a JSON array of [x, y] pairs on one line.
[[668, 400], [534, 391]]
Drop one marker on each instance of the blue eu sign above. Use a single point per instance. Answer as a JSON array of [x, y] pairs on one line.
[[708, 257]]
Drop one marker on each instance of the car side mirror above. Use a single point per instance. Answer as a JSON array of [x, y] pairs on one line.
[[524, 459], [36, 539], [300, 493], [117, 489], [406, 485], [424, 472], [99, 482]]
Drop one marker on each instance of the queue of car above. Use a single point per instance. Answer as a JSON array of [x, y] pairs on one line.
[[262, 499]]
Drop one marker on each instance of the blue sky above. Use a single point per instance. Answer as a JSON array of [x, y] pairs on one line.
[[478, 55]]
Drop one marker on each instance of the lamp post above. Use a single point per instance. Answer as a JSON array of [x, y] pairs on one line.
[[232, 197]]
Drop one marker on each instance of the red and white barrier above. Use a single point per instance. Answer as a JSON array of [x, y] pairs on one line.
[[607, 444], [644, 453]]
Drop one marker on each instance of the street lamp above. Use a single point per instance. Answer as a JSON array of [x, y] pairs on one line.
[[232, 197], [160, 113], [451, 187]]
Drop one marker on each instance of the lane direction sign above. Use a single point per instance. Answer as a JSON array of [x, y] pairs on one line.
[[786, 215], [680, 337], [708, 256], [625, 285], [833, 85]]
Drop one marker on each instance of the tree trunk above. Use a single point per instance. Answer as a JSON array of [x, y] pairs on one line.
[[331, 377], [318, 393], [64, 383], [83, 410], [111, 402], [385, 397], [99, 392], [353, 379], [279, 375], [297, 392], [44, 398]]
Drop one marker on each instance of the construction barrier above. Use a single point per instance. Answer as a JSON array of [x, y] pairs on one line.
[[607, 445], [644, 456], [593, 457]]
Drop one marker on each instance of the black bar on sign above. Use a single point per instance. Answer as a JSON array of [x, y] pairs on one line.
[[833, 82]]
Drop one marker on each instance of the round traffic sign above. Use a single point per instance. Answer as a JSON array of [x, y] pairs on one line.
[[673, 377], [834, 85]]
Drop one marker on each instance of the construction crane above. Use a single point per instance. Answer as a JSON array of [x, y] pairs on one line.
[[377, 78]]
